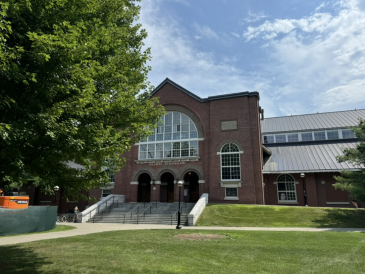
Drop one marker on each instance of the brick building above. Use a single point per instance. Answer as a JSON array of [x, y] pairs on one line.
[[215, 146], [223, 146]]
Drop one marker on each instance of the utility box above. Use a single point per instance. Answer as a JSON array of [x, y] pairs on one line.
[[14, 202]]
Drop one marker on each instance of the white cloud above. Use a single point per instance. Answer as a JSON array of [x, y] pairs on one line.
[[205, 31], [318, 62], [254, 17], [235, 34], [174, 56]]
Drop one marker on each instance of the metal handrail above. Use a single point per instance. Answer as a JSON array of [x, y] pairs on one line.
[[137, 206], [144, 212], [106, 217], [98, 208]]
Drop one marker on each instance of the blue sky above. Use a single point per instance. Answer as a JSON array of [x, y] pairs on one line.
[[302, 56]]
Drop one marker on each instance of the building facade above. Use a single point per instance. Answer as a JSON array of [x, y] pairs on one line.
[[212, 144]]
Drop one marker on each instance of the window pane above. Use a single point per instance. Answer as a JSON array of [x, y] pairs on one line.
[[307, 136], [347, 134], [280, 138], [184, 135], [184, 119], [281, 186], [235, 173], [226, 160], [185, 153], [226, 174], [332, 135], [151, 138], [293, 137], [176, 136], [176, 153], [168, 119], [185, 127], [151, 151], [192, 126], [268, 139], [319, 135], [193, 134], [168, 136], [231, 192], [159, 137], [168, 129]]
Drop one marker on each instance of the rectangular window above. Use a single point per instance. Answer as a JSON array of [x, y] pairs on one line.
[[193, 148], [159, 151], [307, 136], [268, 139], [151, 151], [319, 135], [280, 138], [347, 134], [106, 192], [142, 151], [231, 192], [293, 137], [332, 135], [167, 150], [286, 191]]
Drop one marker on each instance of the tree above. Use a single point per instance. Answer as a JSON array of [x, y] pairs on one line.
[[354, 181], [71, 80]]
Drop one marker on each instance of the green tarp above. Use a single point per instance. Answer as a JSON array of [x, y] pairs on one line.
[[27, 220]]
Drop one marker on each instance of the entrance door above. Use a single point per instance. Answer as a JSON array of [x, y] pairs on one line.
[[191, 194], [144, 188], [167, 188]]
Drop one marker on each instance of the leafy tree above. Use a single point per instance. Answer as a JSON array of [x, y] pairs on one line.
[[354, 181], [71, 76]]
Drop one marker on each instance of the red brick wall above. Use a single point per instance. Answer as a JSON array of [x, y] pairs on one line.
[[319, 187], [242, 109]]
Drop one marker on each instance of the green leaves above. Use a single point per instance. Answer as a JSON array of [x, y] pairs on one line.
[[354, 181], [71, 74]]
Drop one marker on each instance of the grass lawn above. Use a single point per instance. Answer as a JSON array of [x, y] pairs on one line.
[[57, 228], [160, 251], [280, 216]]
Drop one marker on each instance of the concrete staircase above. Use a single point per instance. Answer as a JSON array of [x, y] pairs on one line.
[[144, 213]]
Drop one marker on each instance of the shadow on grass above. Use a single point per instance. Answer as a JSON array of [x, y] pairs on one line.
[[16, 259], [342, 219]]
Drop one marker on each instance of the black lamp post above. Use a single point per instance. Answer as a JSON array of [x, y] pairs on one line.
[[180, 184], [56, 189], [302, 175]]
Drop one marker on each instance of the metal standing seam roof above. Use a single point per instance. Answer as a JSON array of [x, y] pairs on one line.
[[313, 157], [317, 121]]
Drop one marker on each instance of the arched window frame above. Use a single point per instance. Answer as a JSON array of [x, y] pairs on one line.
[[175, 137], [230, 162], [286, 188]]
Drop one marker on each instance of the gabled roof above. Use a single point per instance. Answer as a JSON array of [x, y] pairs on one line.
[[210, 98], [307, 157], [338, 119]]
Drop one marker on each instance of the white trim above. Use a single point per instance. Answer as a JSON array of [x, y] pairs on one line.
[[167, 141], [239, 152], [231, 184], [134, 183], [337, 203], [231, 198], [157, 182], [201, 181]]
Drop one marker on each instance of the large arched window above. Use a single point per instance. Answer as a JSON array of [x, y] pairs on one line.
[[286, 188], [230, 162], [175, 137]]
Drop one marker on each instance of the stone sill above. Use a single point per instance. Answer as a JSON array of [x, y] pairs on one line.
[[231, 198]]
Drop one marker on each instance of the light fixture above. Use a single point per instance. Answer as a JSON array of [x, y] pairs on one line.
[[56, 189], [302, 175]]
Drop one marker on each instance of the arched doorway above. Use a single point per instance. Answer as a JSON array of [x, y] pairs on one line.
[[144, 188], [167, 188], [191, 187]]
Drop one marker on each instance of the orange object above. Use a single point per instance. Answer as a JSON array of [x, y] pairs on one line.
[[14, 202]]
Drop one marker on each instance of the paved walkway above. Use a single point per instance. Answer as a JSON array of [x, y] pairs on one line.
[[88, 228]]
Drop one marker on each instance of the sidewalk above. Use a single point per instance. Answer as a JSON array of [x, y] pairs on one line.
[[89, 228]]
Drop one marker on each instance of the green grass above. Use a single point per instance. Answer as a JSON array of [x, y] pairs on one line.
[[280, 216], [157, 251], [57, 228]]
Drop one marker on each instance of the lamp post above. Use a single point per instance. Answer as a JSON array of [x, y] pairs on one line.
[[56, 189], [302, 175], [180, 184]]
